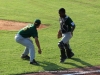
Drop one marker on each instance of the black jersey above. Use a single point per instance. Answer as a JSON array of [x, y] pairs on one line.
[[65, 24]]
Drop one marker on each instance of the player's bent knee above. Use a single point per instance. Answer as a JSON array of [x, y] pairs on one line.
[[61, 45], [66, 46]]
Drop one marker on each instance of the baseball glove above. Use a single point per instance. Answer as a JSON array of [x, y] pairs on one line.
[[59, 34]]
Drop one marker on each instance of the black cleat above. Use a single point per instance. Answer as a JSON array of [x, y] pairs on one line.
[[26, 57], [71, 55], [34, 62], [62, 60]]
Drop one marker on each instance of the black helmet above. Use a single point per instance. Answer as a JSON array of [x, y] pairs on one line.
[[37, 22]]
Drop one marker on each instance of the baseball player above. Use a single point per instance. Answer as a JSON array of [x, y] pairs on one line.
[[23, 37], [67, 27]]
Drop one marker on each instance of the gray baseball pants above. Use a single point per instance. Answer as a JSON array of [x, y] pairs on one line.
[[29, 46], [66, 37]]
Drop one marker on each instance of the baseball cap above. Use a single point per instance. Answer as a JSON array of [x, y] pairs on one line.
[[37, 22]]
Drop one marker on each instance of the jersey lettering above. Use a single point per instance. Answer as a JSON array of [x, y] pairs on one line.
[[27, 27]]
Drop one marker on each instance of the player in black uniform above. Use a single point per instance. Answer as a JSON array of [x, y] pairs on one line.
[[67, 27]]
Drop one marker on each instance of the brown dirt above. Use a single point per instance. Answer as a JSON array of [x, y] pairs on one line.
[[77, 71], [14, 26]]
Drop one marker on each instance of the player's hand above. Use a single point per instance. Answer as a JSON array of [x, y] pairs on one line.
[[39, 51]]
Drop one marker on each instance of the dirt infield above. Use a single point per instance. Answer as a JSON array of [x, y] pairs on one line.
[[14, 26], [77, 71]]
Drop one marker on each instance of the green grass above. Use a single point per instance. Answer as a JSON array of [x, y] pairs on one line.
[[85, 42]]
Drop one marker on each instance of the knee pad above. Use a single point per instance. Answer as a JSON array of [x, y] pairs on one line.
[[61, 45]]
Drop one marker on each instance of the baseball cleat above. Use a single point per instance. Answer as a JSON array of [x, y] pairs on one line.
[[26, 57], [71, 55], [62, 60], [34, 62]]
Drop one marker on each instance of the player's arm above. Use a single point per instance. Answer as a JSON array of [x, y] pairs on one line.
[[59, 35], [38, 45], [72, 27]]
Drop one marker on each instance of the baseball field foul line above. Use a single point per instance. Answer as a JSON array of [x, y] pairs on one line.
[[83, 72]]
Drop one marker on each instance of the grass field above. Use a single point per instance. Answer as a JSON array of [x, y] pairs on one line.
[[85, 42]]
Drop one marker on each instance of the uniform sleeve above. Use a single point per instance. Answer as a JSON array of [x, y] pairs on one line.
[[35, 34], [71, 22]]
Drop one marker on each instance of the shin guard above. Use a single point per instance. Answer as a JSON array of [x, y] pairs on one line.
[[68, 51], [62, 50]]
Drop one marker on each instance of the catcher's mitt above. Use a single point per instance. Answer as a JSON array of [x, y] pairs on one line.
[[59, 34]]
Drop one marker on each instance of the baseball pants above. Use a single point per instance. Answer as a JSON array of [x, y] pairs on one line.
[[66, 37], [29, 46]]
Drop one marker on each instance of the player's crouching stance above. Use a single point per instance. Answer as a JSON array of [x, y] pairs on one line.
[[23, 37], [67, 27]]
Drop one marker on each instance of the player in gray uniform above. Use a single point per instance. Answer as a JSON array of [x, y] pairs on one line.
[[67, 27], [23, 38]]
